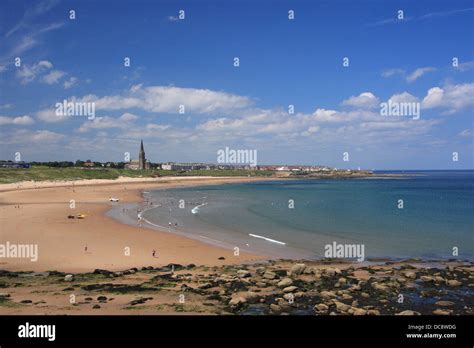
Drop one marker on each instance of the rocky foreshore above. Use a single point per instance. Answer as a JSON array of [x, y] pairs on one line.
[[410, 287]]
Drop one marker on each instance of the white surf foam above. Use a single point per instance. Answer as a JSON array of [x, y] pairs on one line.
[[267, 239], [195, 210]]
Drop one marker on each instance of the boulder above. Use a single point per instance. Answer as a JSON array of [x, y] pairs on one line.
[[409, 274], [346, 297], [289, 289], [243, 273], [237, 301], [373, 312], [440, 311], [328, 294], [251, 297], [103, 272], [408, 312], [321, 308], [269, 275], [341, 307], [284, 283], [285, 306], [297, 269], [379, 287], [205, 286], [359, 311], [454, 282], [274, 308], [444, 303]]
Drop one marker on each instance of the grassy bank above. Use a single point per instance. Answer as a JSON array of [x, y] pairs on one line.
[[42, 173]]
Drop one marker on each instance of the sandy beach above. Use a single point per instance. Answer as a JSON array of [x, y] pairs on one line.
[[37, 213], [188, 276]]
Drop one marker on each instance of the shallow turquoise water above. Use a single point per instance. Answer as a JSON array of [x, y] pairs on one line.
[[437, 215]]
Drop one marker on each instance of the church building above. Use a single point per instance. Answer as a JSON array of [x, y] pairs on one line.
[[141, 163]]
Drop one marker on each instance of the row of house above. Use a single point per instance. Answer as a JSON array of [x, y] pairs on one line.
[[14, 164], [298, 168]]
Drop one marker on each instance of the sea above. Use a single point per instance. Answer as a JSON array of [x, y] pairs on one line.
[[419, 214]]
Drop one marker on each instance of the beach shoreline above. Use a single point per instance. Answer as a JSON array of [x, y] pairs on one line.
[[213, 280], [36, 213]]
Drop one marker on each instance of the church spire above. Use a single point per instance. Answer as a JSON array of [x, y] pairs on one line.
[[141, 157]]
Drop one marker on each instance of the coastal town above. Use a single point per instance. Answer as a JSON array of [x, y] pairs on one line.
[[147, 168]]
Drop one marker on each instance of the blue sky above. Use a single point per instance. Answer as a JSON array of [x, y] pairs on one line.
[[190, 62]]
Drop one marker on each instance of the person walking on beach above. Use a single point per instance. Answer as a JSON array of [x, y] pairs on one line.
[[154, 252]]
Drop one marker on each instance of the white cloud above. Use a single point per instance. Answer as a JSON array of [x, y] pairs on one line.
[[452, 97], [466, 66], [49, 115], [128, 117], [230, 118], [168, 99], [410, 77], [45, 136], [310, 131], [393, 72], [333, 116], [31, 13], [152, 126], [467, 133], [364, 100], [106, 122], [28, 73], [404, 97], [419, 73], [70, 82], [22, 136], [434, 98], [53, 77], [19, 121]]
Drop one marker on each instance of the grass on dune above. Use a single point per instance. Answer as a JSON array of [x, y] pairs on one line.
[[43, 173]]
